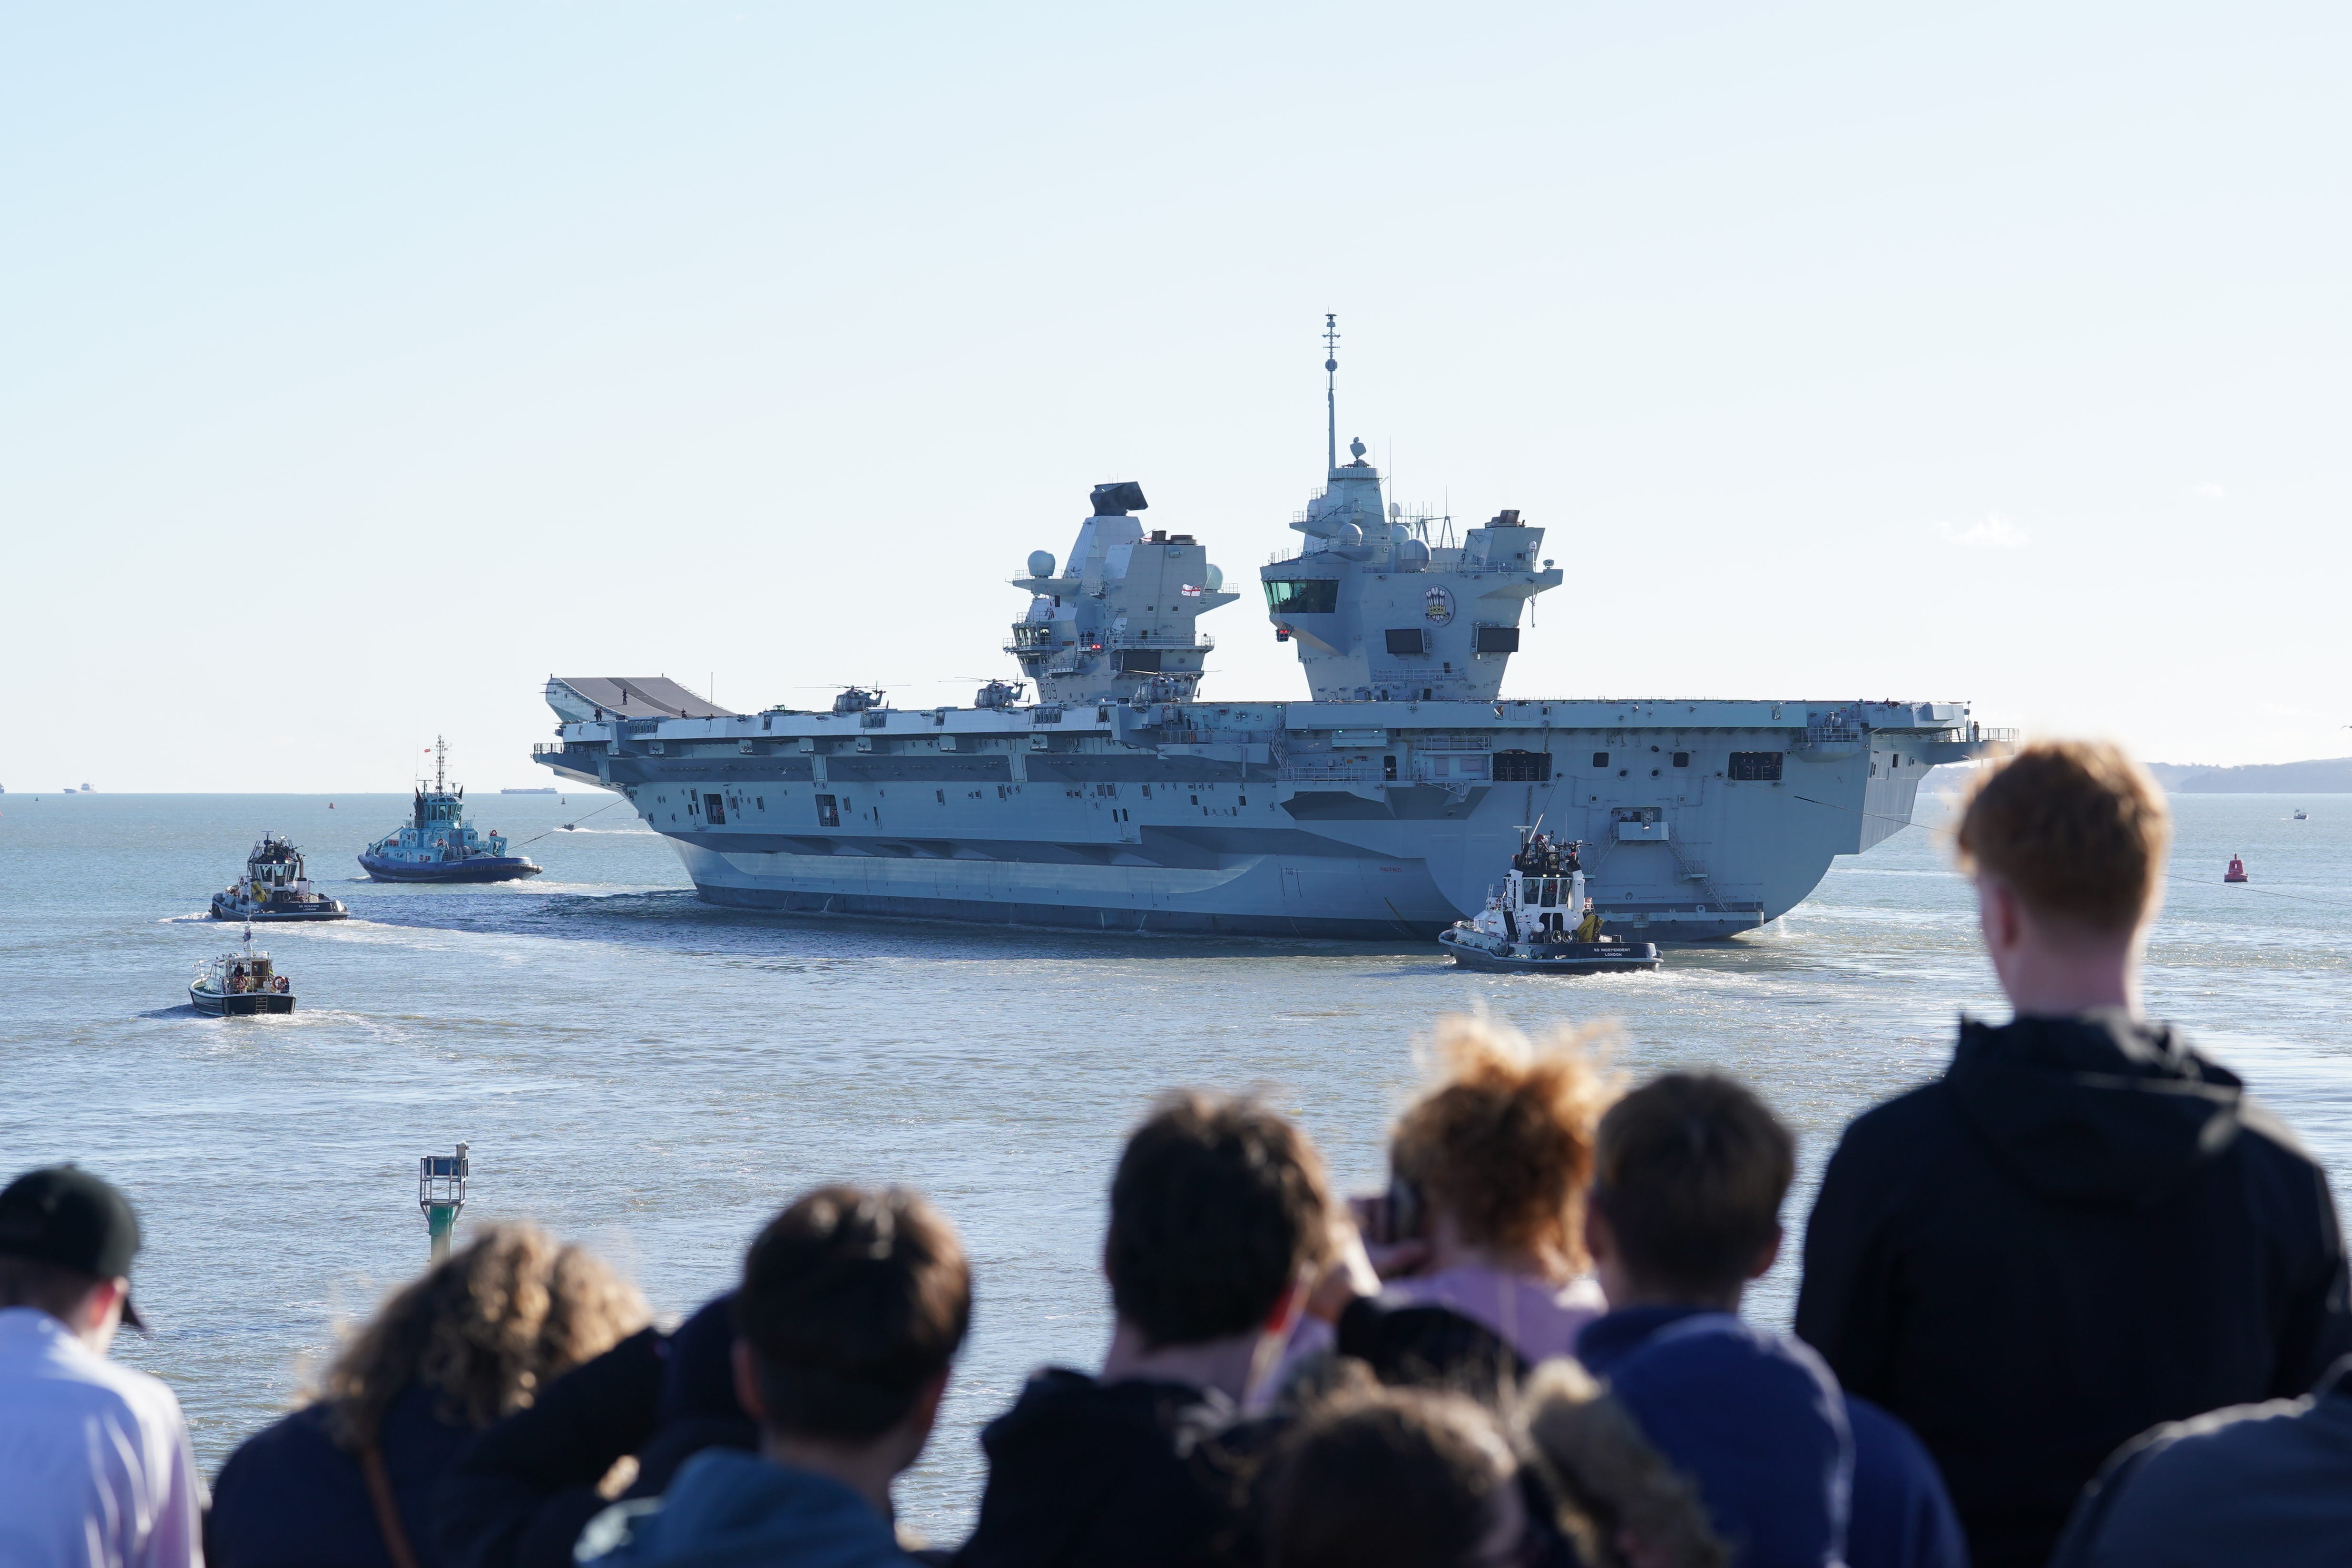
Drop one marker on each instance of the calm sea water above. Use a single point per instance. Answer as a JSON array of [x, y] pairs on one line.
[[654, 1076]]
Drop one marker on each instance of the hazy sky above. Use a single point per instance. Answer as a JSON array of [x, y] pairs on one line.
[[360, 366]]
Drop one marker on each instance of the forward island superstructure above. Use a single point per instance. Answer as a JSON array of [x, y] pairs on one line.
[[1122, 799]]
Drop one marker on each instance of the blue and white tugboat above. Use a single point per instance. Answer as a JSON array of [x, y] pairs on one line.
[[239, 982], [1542, 922], [436, 845], [274, 888]]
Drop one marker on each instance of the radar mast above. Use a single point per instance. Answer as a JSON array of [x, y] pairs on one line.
[[1331, 389]]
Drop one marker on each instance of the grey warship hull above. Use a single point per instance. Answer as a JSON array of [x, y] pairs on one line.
[[1380, 821]]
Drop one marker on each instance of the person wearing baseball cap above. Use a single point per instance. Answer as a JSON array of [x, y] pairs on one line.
[[95, 1466]]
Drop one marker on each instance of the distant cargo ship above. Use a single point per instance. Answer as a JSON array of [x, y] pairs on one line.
[[1120, 799]]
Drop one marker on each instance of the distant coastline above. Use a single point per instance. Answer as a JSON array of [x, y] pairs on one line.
[[2328, 776]]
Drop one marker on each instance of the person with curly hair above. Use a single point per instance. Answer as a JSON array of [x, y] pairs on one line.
[[1476, 1267], [348, 1480]]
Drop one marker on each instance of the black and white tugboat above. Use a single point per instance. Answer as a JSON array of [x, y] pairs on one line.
[[1542, 922], [436, 845], [274, 888], [240, 982]]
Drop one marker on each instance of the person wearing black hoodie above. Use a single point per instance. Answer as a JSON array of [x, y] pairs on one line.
[[517, 1494], [1218, 1212], [2084, 1227]]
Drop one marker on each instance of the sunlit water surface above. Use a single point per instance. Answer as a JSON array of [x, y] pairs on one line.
[[654, 1076]]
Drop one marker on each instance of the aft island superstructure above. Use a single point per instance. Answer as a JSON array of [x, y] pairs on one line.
[[1122, 799]]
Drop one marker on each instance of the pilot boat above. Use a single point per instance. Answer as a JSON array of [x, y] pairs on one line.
[[274, 888], [239, 982], [436, 844], [1530, 925]]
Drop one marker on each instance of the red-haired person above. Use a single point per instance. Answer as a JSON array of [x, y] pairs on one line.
[[1480, 1242]]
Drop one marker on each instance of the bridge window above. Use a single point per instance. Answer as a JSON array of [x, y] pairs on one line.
[[1756, 767], [1496, 640], [1309, 596], [1408, 642]]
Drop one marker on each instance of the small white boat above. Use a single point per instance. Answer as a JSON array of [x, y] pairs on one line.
[[240, 982], [1542, 922]]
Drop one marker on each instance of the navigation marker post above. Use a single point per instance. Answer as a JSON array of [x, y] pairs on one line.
[[441, 1194]]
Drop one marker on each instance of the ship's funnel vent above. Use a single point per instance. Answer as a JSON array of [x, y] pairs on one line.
[[1119, 499]]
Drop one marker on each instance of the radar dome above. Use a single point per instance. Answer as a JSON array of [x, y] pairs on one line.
[[1412, 555], [1041, 563], [1215, 578], [1349, 535]]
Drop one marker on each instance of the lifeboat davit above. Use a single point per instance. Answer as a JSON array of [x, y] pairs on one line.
[[2237, 871]]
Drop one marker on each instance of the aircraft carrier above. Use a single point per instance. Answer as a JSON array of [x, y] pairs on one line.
[[1386, 805]]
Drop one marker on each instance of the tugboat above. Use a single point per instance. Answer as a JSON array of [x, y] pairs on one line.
[[274, 888], [2237, 871], [436, 845], [1542, 923], [240, 982]]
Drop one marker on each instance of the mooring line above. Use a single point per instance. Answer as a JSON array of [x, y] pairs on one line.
[[574, 822]]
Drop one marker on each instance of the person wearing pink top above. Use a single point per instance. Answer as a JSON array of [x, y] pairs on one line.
[[1472, 1268]]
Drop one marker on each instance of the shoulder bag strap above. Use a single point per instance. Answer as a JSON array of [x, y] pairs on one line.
[[387, 1508]]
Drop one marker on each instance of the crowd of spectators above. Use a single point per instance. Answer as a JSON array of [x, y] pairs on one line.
[[2079, 1300]]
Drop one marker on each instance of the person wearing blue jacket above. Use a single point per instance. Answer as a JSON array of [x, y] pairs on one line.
[[2268, 1483], [851, 1306], [1689, 1173]]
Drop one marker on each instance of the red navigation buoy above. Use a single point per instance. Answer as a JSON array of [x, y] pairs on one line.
[[2237, 871]]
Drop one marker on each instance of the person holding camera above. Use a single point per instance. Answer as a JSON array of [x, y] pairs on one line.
[[1473, 1266]]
